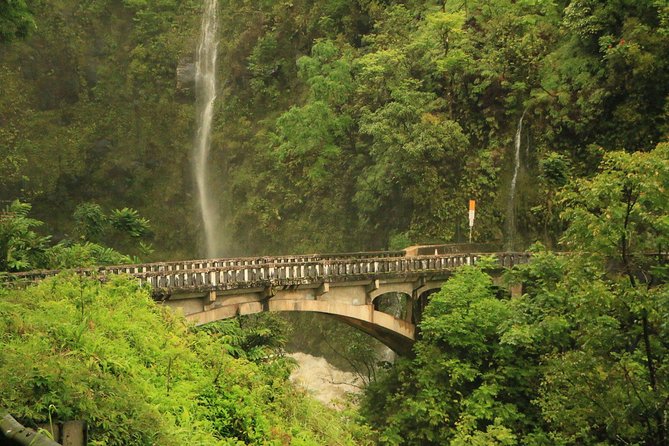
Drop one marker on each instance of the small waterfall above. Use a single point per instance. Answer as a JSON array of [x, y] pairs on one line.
[[205, 86], [511, 205], [324, 381]]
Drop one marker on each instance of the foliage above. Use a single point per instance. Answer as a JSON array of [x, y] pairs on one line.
[[579, 358], [22, 249], [90, 220], [563, 364], [350, 125], [139, 375], [393, 129], [456, 390], [256, 337], [554, 173], [89, 113], [623, 211], [338, 124], [81, 255], [124, 228], [16, 20], [128, 221]]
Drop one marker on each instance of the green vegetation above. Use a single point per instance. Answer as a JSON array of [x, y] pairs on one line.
[[23, 249], [106, 353], [341, 125], [89, 112], [16, 20], [581, 358], [74, 348], [406, 110]]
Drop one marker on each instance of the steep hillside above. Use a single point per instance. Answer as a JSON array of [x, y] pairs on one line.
[[339, 124]]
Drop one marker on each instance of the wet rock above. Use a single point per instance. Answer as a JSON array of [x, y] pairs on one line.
[[186, 78]]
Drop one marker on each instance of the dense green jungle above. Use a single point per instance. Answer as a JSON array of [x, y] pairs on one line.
[[341, 125]]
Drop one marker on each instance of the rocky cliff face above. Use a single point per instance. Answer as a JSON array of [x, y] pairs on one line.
[[185, 76], [114, 72]]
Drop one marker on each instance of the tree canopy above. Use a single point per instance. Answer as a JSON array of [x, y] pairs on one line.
[[579, 358], [16, 20], [338, 125]]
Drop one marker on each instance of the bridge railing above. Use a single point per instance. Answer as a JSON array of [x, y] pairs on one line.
[[248, 273], [313, 271], [180, 265], [198, 264]]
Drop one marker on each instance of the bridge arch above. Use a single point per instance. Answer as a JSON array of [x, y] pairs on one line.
[[395, 333], [421, 297]]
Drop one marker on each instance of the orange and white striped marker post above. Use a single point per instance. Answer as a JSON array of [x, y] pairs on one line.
[[472, 214]]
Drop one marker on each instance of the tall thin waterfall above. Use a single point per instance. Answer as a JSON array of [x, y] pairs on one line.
[[511, 204], [205, 86]]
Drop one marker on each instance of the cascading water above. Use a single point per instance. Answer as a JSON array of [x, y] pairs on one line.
[[326, 383], [511, 204], [205, 86]]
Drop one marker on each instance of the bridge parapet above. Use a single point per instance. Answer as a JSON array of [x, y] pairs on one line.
[[249, 261], [200, 264], [221, 274]]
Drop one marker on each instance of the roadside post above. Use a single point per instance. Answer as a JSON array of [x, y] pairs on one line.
[[472, 214]]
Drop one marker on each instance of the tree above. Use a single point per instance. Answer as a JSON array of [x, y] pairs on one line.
[[16, 20], [123, 229], [138, 374], [622, 214], [553, 175], [21, 248], [582, 357], [466, 385]]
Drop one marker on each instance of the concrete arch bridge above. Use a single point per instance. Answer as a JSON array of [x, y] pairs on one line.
[[347, 286]]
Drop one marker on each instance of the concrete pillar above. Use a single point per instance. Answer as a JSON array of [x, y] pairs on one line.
[[74, 433], [369, 289], [516, 290], [409, 309], [324, 288]]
